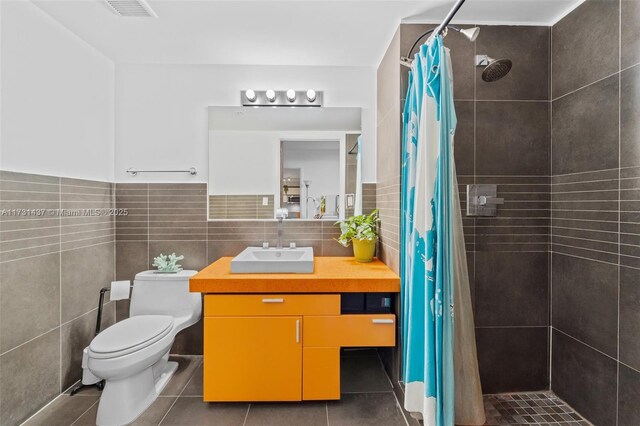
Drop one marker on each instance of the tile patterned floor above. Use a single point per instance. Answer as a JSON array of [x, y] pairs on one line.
[[539, 408], [367, 399]]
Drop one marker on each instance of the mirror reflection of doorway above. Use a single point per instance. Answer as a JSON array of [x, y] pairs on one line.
[[310, 178], [290, 192]]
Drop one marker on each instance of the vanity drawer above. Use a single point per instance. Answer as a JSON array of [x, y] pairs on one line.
[[271, 304], [349, 330]]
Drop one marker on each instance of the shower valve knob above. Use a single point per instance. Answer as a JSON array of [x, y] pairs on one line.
[[484, 200]]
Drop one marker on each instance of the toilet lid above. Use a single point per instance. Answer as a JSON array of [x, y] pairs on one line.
[[132, 334]]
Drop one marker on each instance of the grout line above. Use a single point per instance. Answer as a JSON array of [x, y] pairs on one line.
[[246, 416], [586, 172], [584, 258], [392, 387], [511, 326], [587, 239], [56, 251], [585, 86], [60, 288], [41, 409], [629, 367], [85, 411], [326, 406], [175, 400], [629, 67], [585, 344], [619, 204], [583, 229]]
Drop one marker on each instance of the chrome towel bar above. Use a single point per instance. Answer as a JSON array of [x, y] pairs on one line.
[[134, 172]]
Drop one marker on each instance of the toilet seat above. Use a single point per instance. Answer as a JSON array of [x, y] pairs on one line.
[[130, 335]]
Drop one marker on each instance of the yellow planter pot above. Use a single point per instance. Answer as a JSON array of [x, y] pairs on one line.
[[363, 250]]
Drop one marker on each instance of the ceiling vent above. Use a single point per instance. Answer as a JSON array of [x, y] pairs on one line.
[[131, 8]]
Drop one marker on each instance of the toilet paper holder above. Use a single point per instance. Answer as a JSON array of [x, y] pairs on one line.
[[88, 379]]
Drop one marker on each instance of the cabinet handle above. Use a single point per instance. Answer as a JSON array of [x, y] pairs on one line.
[[297, 331], [382, 321], [272, 300]]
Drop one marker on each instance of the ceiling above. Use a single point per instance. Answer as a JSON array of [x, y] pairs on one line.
[[266, 32]]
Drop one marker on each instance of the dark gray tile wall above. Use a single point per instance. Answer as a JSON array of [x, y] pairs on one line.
[[503, 138], [585, 378], [592, 27], [595, 232], [526, 345], [56, 252]]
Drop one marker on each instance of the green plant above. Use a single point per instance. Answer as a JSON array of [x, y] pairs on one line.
[[361, 227]]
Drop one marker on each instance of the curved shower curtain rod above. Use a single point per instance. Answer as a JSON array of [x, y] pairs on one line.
[[406, 61]]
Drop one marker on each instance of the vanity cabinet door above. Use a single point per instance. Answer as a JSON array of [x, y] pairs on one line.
[[253, 358]]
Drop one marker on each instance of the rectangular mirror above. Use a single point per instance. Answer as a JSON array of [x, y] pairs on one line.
[[304, 160]]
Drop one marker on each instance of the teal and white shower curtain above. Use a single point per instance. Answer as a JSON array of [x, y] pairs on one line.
[[440, 369]]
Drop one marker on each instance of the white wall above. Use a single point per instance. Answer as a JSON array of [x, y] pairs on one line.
[[244, 163], [161, 110], [57, 98]]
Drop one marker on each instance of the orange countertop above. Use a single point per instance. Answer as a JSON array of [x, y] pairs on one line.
[[330, 275]]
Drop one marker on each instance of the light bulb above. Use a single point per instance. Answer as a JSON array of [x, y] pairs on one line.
[[271, 95], [251, 95], [291, 95], [311, 95]]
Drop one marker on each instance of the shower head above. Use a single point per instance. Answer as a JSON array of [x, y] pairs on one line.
[[494, 69]]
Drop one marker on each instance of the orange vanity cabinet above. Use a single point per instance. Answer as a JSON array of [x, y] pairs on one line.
[[252, 359], [285, 346]]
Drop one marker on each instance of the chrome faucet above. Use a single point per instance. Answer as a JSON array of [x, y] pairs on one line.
[[280, 215]]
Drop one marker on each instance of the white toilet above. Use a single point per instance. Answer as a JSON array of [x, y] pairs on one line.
[[132, 355]]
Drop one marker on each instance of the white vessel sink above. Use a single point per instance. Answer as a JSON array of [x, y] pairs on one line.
[[257, 260]]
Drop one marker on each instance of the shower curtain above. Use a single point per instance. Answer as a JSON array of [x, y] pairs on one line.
[[440, 368]]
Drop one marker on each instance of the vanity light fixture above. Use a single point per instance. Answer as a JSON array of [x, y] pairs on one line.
[[271, 95], [281, 98], [311, 95], [251, 95]]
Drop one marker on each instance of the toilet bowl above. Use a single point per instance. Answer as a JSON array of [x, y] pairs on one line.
[[132, 356]]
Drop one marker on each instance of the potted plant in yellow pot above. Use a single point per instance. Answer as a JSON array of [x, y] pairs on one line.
[[362, 231]]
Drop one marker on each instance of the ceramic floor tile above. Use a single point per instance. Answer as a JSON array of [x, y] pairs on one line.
[[151, 417], [279, 414], [529, 408], [192, 411], [194, 387], [64, 410], [363, 374], [368, 409], [187, 367]]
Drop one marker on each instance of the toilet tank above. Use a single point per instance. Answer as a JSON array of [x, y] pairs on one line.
[[156, 293]]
